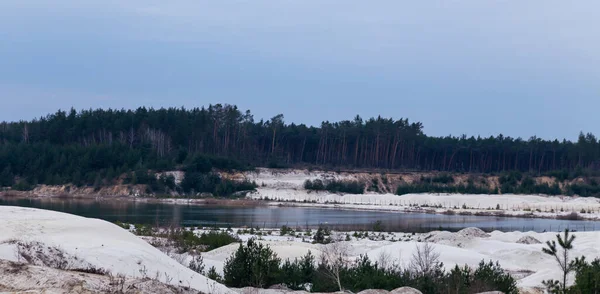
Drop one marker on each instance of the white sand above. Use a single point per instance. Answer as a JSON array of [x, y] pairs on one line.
[[98, 243]]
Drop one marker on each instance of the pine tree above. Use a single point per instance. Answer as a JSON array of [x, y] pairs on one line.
[[561, 255]]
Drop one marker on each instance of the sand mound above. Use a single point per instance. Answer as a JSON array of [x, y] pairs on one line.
[[60, 240], [405, 290], [471, 233], [458, 239], [372, 291], [528, 240]]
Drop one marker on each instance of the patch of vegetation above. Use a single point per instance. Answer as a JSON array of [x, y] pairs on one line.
[[322, 236], [438, 179], [584, 189], [285, 230], [201, 163], [256, 265], [196, 182], [215, 239], [253, 265], [275, 164], [23, 185], [470, 188], [510, 185], [143, 230], [335, 186]]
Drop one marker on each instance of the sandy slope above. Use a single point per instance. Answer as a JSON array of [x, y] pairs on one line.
[[17, 277], [97, 243]]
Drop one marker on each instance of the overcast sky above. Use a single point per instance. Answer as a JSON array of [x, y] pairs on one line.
[[519, 68]]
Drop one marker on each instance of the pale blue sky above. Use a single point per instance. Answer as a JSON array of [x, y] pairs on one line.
[[520, 68]]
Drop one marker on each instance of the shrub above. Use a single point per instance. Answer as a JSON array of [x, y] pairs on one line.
[[316, 185], [587, 277], [23, 185], [143, 230], [350, 187], [491, 277], [197, 264], [378, 226], [199, 164], [253, 265], [213, 275], [439, 179], [584, 190], [285, 230], [334, 186], [470, 188], [297, 274], [214, 239], [321, 236], [213, 183]]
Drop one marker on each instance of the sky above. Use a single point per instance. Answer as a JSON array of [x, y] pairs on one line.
[[517, 68]]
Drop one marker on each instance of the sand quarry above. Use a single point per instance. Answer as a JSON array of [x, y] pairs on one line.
[[90, 242], [81, 242]]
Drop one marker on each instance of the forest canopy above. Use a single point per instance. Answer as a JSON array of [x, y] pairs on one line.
[[88, 146]]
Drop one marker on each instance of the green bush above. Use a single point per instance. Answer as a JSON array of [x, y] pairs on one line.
[[195, 182], [491, 277], [334, 186], [470, 188], [298, 274], [23, 185], [583, 189], [253, 265], [285, 230], [587, 277], [143, 230], [197, 264], [213, 275], [439, 179], [214, 239], [322, 235], [316, 185]]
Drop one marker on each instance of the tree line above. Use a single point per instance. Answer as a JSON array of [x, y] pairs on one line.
[[90, 144]]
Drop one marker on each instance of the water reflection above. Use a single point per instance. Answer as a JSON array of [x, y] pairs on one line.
[[261, 216]]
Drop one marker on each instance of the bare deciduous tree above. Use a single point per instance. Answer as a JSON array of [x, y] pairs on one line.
[[25, 134], [335, 257], [425, 260], [384, 260]]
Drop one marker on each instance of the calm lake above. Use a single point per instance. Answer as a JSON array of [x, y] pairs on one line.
[[271, 217]]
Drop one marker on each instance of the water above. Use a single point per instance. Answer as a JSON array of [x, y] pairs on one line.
[[272, 217]]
